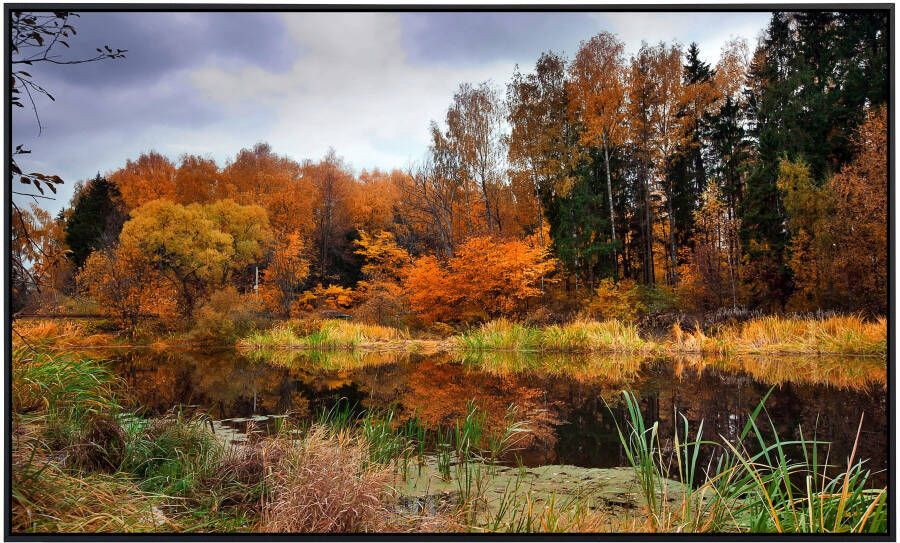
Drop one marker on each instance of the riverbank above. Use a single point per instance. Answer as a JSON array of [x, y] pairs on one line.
[[60, 334], [772, 335], [844, 335]]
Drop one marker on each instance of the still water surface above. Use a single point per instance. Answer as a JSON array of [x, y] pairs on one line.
[[572, 403]]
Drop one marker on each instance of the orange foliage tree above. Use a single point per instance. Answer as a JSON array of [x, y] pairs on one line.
[[151, 177], [126, 284], [381, 293], [838, 249], [198, 180], [287, 271], [487, 277], [860, 219], [39, 241], [375, 198], [261, 177]]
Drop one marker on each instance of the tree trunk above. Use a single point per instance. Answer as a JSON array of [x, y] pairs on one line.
[[540, 220], [672, 251], [612, 213], [649, 275]]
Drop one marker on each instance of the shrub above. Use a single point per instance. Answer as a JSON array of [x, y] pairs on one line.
[[226, 315], [620, 301], [383, 303], [485, 278], [325, 484]]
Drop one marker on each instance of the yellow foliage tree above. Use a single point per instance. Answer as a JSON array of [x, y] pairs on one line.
[[186, 245], [381, 293], [384, 259], [620, 301]]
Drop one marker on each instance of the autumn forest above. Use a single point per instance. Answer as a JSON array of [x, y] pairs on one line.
[[602, 212]]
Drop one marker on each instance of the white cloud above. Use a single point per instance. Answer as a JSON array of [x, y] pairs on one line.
[[710, 30], [351, 87]]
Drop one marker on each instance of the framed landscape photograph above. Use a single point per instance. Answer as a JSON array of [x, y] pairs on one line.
[[460, 271]]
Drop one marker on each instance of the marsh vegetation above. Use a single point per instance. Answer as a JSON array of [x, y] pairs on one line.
[[92, 452]]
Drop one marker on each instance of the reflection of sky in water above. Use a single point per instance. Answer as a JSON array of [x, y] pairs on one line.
[[567, 400]]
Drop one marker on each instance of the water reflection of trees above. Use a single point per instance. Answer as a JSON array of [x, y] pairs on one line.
[[217, 382], [572, 403]]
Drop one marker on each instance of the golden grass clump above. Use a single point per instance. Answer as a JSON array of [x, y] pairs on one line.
[[500, 335], [324, 335], [324, 484], [847, 334], [696, 341], [57, 333], [609, 335], [578, 336]]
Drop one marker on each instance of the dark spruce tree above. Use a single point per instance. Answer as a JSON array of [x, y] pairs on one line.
[[687, 170], [579, 224], [95, 220], [729, 151]]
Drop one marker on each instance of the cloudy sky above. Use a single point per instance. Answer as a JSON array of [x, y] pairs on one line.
[[366, 84]]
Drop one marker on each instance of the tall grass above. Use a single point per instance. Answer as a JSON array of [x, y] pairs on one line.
[[81, 463], [611, 336], [518, 511], [47, 499], [63, 390], [324, 484], [774, 485], [330, 334], [500, 334], [578, 336], [57, 333], [847, 334], [174, 455], [765, 335]]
